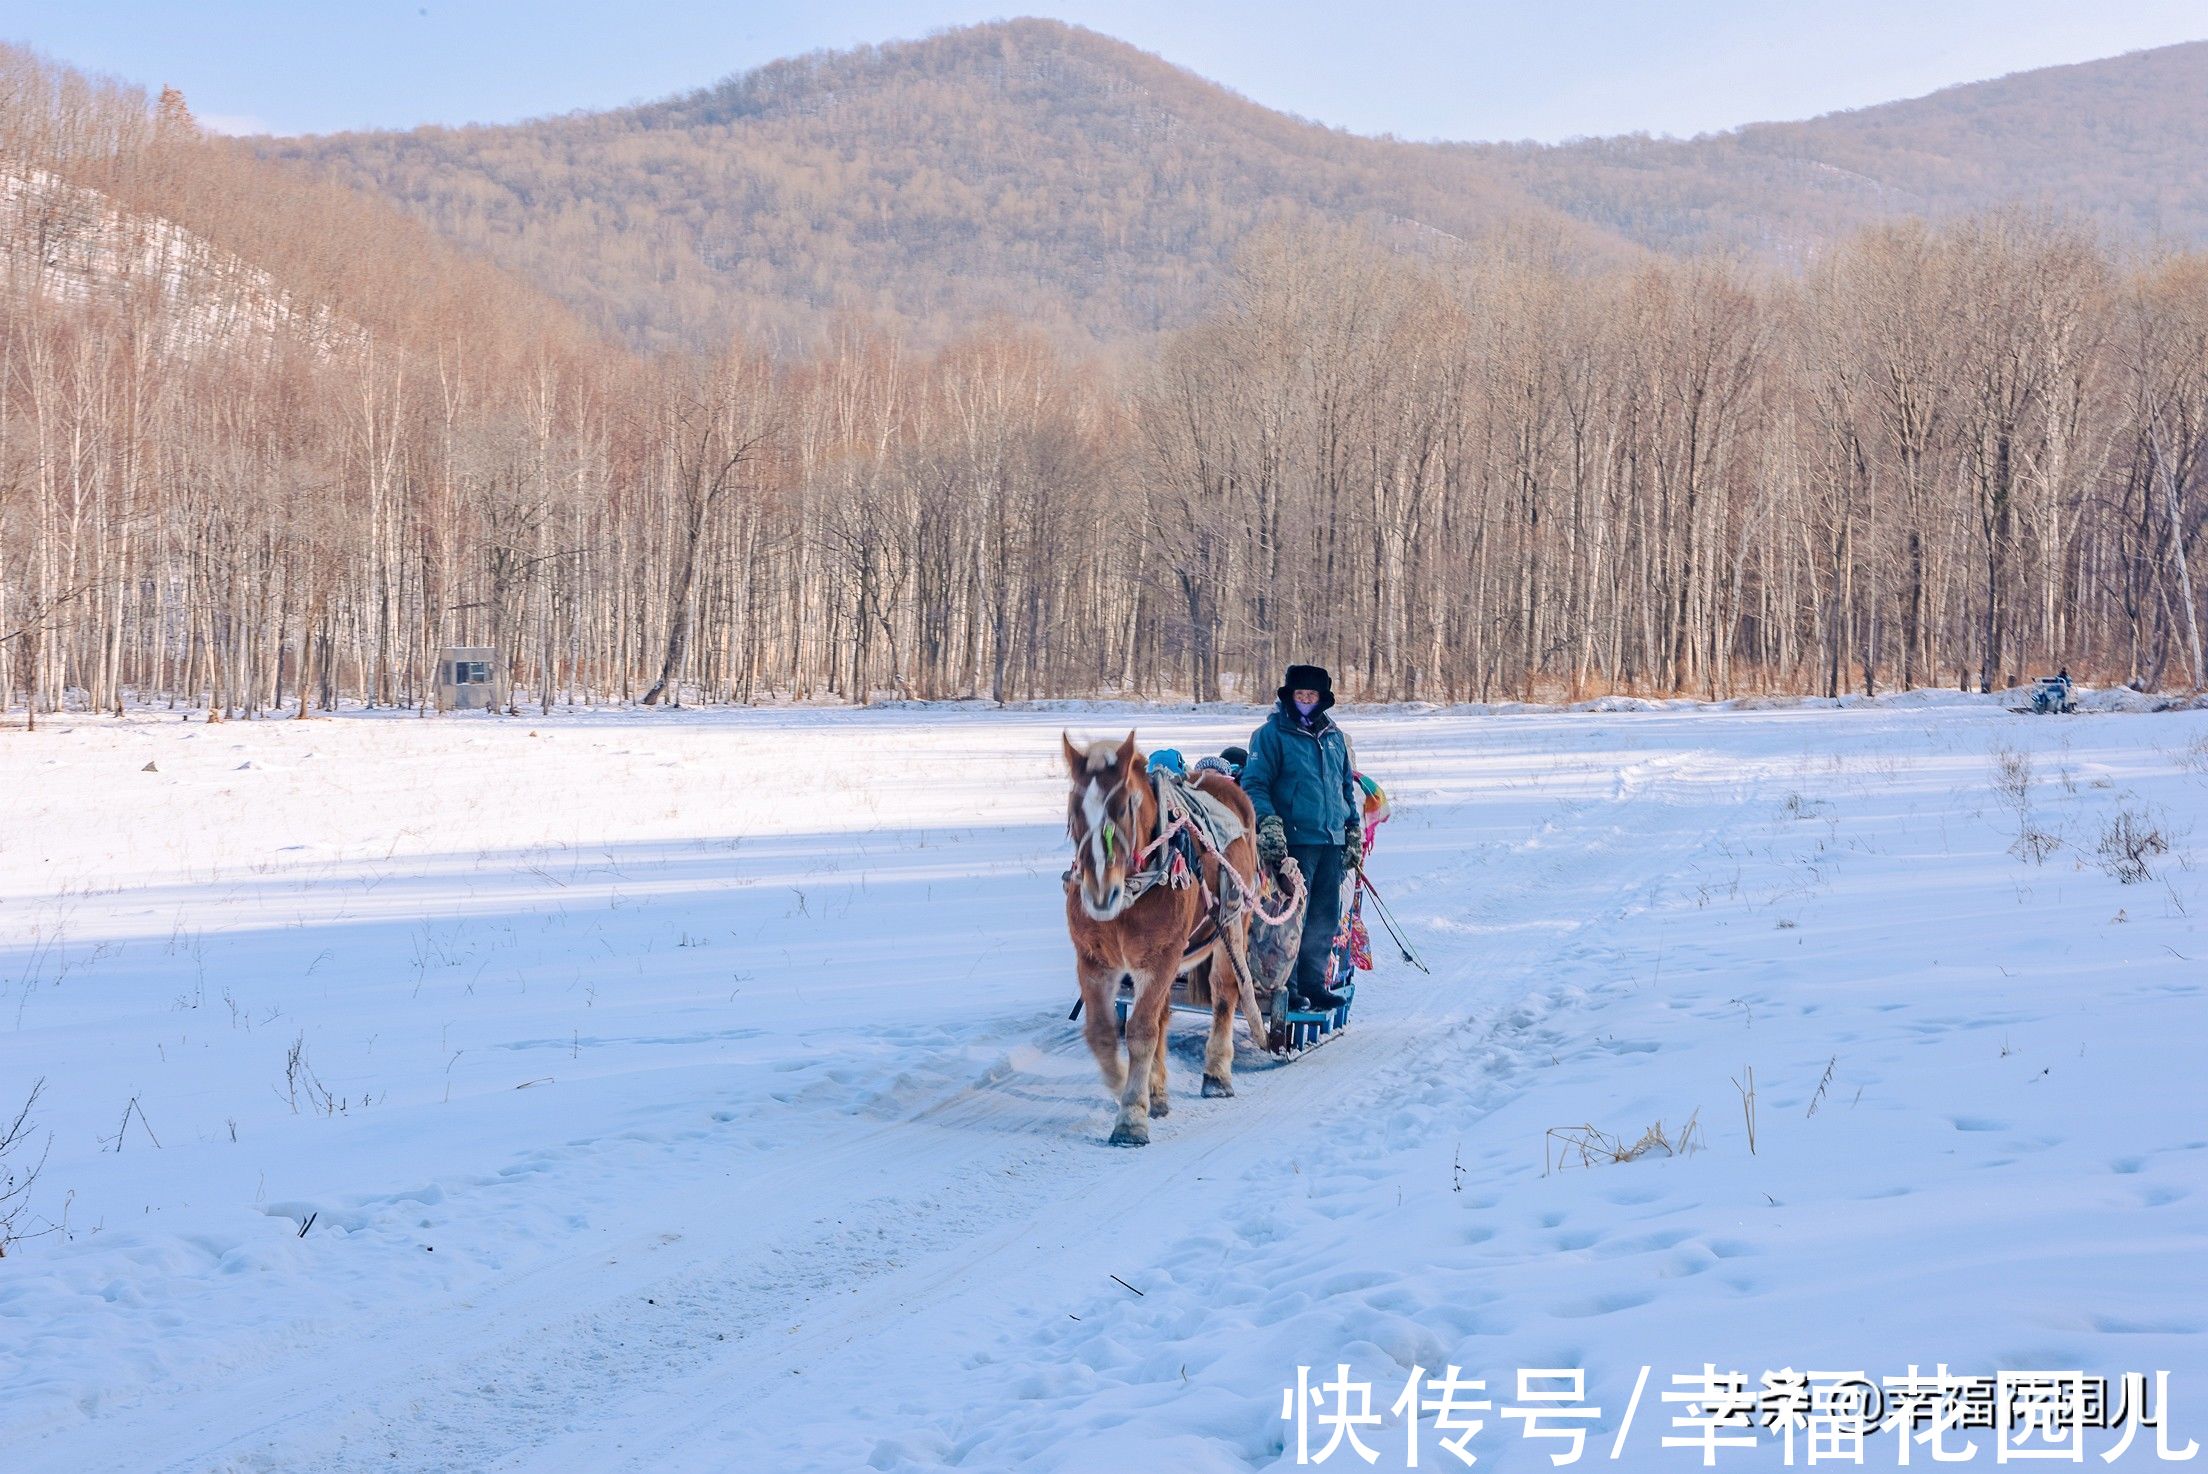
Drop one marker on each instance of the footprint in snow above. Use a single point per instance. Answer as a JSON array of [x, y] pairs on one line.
[[1606, 1304]]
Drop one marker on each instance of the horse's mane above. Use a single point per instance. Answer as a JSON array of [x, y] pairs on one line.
[[1102, 753]]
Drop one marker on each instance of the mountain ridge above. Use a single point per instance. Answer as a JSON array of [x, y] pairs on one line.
[[1051, 174], [1971, 146]]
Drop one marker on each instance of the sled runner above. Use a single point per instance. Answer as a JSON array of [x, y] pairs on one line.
[[1295, 1030]]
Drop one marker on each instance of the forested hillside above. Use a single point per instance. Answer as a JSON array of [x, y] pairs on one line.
[[1072, 183], [2116, 142], [200, 358], [1942, 452], [116, 203], [1029, 169]]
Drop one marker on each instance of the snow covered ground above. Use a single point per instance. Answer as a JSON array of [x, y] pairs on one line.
[[694, 1092]]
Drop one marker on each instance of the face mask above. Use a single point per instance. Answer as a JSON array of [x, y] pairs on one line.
[[1307, 707]]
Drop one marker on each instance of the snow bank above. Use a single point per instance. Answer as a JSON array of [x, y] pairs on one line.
[[694, 1091]]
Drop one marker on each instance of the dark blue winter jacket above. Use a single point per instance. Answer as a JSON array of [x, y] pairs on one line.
[[1303, 775]]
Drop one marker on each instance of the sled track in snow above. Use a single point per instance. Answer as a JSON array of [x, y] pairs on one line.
[[682, 1336]]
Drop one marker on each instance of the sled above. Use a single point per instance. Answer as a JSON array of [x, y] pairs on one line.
[[1272, 954], [1306, 1029], [2051, 696], [1295, 1030]]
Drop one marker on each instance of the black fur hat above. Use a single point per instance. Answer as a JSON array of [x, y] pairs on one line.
[[1308, 678]]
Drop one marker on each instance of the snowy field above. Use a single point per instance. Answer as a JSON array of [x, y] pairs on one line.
[[694, 1092]]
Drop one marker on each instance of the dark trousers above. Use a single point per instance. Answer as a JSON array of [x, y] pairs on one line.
[[1322, 878]]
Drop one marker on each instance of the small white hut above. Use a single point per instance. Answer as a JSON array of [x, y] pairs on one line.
[[467, 679]]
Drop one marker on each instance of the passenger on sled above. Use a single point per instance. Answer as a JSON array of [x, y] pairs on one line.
[[1229, 761], [1302, 782]]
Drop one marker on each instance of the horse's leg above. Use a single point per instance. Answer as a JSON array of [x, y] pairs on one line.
[[1160, 1102], [1145, 1050], [1100, 1023], [1219, 1048], [1133, 1126]]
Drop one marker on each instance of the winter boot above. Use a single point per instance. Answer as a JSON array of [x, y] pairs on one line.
[[1317, 998]]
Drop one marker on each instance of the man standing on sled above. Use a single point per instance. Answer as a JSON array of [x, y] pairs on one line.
[[1299, 779]]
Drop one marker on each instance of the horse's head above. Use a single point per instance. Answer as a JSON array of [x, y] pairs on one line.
[[1107, 812]]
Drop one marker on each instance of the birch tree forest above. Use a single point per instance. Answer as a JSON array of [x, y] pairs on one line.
[[267, 448]]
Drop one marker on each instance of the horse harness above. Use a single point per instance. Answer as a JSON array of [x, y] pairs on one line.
[[1191, 825]]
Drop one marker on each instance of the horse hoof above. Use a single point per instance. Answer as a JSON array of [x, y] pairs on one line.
[[1160, 1106], [1214, 1086], [1131, 1133]]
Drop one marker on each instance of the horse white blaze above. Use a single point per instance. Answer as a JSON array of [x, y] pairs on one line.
[[1093, 810]]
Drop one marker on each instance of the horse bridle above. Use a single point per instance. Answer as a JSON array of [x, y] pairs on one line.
[[1111, 835]]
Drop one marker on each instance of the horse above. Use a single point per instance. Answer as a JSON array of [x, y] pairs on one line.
[[1128, 923]]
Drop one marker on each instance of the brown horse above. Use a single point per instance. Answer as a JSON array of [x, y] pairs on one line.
[[1126, 925]]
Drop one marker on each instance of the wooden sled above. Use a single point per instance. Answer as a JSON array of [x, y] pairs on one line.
[[1295, 1030], [1273, 956]]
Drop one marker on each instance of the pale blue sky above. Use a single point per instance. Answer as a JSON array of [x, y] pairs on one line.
[[1472, 69]]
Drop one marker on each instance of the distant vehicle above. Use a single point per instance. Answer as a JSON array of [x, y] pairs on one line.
[[2054, 694]]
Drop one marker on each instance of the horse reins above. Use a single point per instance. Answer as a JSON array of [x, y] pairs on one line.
[[1174, 818]]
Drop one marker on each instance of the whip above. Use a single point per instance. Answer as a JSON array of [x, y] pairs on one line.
[[1387, 919]]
